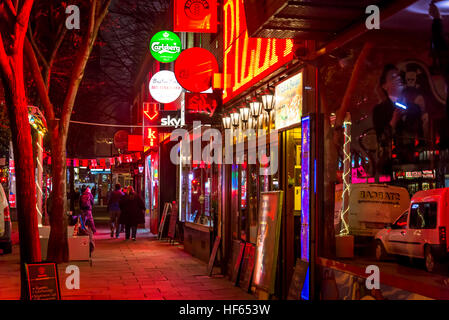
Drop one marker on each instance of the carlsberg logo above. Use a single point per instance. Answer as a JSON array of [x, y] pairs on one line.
[[165, 48]]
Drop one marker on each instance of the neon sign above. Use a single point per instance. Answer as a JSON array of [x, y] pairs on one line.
[[150, 110], [150, 139], [248, 60]]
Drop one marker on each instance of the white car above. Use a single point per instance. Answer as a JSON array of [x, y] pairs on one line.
[[420, 232], [5, 223]]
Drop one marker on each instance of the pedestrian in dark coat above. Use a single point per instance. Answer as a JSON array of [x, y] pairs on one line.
[[132, 210]]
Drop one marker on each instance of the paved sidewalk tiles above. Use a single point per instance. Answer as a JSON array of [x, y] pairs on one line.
[[145, 269]]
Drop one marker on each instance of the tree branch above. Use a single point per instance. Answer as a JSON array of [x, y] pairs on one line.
[[38, 79], [22, 24], [4, 59], [59, 38], [36, 48]]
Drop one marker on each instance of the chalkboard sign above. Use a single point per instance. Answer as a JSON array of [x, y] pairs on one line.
[[43, 282], [268, 231], [298, 279], [213, 256], [246, 273], [167, 207], [237, 262], [173, 221]]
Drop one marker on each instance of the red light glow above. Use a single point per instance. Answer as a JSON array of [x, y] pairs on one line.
[[248, 60]]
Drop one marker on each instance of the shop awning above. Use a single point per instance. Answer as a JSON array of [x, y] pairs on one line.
[[322, 20]]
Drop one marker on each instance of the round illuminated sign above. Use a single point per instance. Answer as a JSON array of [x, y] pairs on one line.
[[197, 9], [165, 46], [164, 88], [195, 68]]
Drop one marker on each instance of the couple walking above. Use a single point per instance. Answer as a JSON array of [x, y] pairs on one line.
[[125, 209]]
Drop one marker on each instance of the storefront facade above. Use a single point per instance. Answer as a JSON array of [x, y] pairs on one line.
[[272, 74]]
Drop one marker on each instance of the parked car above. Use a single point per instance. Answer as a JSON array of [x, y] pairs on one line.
[[371, 207], [5, 223], [420, 232]]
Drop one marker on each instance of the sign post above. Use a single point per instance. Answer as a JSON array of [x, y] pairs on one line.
[[43, 281]]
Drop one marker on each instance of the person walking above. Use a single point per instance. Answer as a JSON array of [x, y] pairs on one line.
[[132, 212], [114, 210], [86, 205]]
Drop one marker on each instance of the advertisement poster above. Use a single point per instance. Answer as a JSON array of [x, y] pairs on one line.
[[268, 240], [288, 108], [305, 188]]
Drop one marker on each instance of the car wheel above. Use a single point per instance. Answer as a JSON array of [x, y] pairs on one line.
[[381, 254], [429, 259]]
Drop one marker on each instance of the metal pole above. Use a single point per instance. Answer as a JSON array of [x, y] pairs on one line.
[[344, 229]]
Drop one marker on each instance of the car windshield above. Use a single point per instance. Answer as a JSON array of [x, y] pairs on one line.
[[402, 221]]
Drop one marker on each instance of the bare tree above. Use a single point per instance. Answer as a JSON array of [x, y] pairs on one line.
[[42, 65], [13, 26]]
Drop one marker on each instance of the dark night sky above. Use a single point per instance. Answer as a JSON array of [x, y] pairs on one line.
[[107, 88]]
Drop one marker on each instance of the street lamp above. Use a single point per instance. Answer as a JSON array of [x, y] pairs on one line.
[[255, 108], [268, 101], [235, 117], [244, 115], [227, 122]]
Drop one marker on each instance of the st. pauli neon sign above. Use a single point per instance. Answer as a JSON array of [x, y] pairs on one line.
[[248, 60]]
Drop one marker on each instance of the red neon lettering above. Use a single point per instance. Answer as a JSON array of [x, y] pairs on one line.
[[248, 60]]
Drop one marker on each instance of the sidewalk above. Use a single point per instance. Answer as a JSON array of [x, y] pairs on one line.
[[122, 270]]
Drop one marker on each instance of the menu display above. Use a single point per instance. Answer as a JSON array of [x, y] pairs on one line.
[[43, 282]]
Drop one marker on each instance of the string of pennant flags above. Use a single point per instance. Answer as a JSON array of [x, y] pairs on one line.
[[105, 163]]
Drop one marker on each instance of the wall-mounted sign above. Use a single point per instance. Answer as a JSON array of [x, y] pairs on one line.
[[195, 16], [195, 68], [151, 137], [164, 88], [248, 60], [134, 143], [165, 46], [288, 107], [428, 174], [200, 103]]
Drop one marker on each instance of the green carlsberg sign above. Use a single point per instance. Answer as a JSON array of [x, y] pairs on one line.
[[165, 46]]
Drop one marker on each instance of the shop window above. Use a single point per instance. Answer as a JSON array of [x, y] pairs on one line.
[[423, 215]]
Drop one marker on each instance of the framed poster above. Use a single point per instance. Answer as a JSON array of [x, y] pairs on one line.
[[213, 256], [43, 281], [247, 266], [167, 207], [267, 245], [173, 221], [298, 280], [237, 261], [288, 108]]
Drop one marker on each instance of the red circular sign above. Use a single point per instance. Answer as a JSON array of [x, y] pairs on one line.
[[195, 68], [196, 9], [121, 139]]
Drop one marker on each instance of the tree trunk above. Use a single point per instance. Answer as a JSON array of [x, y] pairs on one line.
[[57, 244], [16, 102]]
